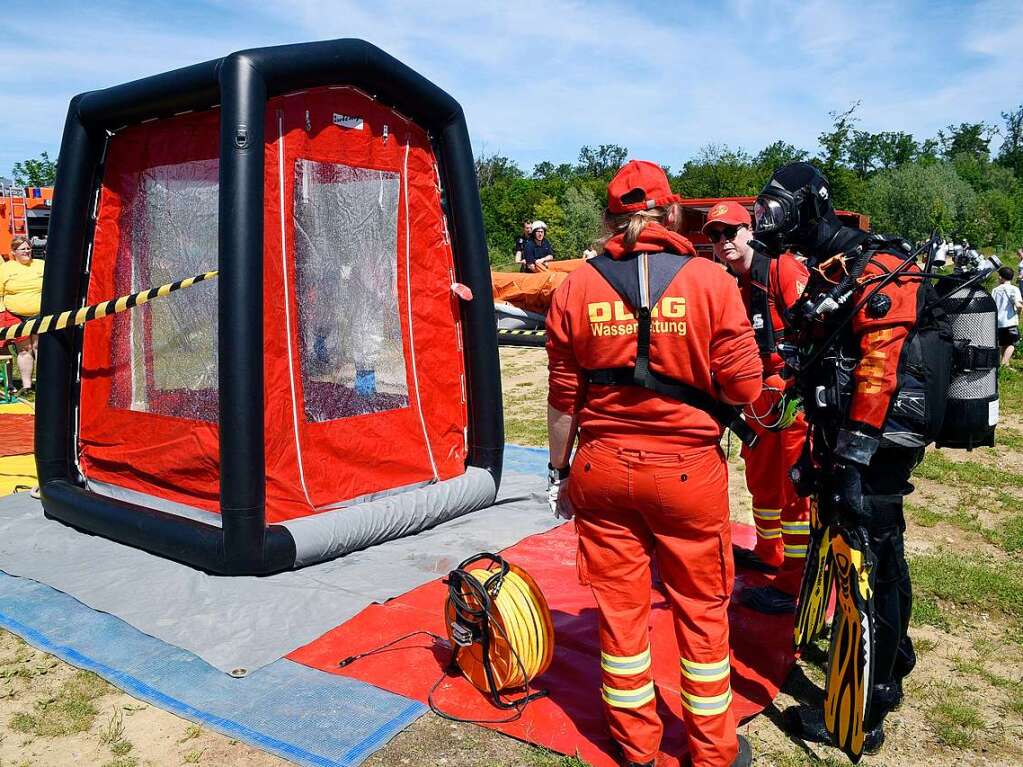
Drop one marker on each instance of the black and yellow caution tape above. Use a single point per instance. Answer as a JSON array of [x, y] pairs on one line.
[[514, 337], [49, 322]]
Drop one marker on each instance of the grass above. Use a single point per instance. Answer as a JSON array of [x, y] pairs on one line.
[[1009, 533], [1015, 702], [193, 756], [1010, 386], [923, 516], [70, 711], [937, 467], [192, 732], [541, 757], [944, 582], [927, 612], [122, 761], [1009, 439], [525, 431], [954, 720], [114, 728]]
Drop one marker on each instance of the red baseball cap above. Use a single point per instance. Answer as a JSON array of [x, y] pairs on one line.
[[639, 185], [727, 212]]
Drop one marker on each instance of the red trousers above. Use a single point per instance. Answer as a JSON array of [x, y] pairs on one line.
[[630, 505], [781, 517]]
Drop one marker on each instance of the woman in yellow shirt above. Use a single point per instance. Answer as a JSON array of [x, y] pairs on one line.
[[21, 291]]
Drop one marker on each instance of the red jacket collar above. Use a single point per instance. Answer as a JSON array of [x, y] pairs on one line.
[[653, 239]]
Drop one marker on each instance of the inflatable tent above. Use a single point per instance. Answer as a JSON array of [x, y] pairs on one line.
[[329, 390]]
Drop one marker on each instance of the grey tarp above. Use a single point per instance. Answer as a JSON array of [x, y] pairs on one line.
[[243, 623]]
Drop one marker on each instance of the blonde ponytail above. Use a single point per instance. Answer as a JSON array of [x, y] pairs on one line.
[[631, 225]]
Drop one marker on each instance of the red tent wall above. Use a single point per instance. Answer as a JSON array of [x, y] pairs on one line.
[[173, 453], [165, 453], [351, 457]]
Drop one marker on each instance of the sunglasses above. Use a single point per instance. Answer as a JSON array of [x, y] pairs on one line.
[[727, 233]]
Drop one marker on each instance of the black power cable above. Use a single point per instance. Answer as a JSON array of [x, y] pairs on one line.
[[471, 624]]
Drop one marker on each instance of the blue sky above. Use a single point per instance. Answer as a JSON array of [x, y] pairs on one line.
[[539, 78]]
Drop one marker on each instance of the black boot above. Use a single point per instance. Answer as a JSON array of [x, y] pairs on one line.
[[768, 600], [884, 698], [748, 559], [807, 723]]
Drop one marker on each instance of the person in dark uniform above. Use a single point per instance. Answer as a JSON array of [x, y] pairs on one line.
[[538, 250], [520, 244], [855, 329]]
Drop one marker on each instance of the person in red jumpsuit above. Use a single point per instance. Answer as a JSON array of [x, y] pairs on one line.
[[649, 477], [781, 516]]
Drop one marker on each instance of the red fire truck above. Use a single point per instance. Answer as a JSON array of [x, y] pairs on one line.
[[25, 212]]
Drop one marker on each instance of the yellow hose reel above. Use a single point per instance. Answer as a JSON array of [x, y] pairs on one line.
[[500, 627]]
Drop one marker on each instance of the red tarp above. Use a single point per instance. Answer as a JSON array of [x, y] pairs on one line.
[[17, 436], [570, 720]]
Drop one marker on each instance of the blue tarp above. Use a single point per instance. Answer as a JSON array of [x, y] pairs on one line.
[[298, 713]]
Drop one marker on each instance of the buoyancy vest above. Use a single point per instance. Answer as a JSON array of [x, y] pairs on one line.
[[948, 371], [640, 279]]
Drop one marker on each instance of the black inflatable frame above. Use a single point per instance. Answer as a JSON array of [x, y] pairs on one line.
[[240, 83]]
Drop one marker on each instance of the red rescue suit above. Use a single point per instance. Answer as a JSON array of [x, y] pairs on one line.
[[781, 517], [881, 341], [649, 476]]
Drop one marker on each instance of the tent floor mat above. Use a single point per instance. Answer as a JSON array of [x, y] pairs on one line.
[[570, 720], [300, 714], [243, 622]]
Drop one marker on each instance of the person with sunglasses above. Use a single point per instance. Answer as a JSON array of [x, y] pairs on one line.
[[780, 515]]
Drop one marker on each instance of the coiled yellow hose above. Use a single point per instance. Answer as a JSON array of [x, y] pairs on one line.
[[521, 644]]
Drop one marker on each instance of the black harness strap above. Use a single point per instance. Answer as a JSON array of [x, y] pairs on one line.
[[641, 280], [760, 284]]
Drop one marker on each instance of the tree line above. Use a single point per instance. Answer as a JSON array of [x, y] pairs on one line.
[[952, 182]]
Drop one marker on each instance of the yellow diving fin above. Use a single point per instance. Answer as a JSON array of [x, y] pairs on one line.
[[815, 589], [850, 664]]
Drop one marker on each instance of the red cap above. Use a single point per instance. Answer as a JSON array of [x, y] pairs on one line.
[[643, 184], [727, 212]]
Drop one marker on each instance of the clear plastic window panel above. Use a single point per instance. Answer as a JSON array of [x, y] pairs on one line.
[[346, 261], [169, 232]]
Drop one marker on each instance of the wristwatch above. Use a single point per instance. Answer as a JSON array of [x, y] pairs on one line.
[[555, 473]]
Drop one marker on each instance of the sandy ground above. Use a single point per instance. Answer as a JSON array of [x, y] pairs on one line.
[[964, 701]]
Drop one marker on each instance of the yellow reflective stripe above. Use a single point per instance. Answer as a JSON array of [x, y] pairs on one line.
[[627, 698], [767, 514], [796, 528], [768, 532], [625, 665], [710, 705], [705, 672], [795, 552]]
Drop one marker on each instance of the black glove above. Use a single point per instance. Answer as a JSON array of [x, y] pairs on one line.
[[845, 494]]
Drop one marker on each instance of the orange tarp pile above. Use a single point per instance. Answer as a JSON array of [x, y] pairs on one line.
[[532, 291], [568, 265]]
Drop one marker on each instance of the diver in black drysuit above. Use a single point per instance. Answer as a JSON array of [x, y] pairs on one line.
[[862, 454]]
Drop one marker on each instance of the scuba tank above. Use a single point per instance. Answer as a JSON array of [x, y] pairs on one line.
[[971, 409]]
